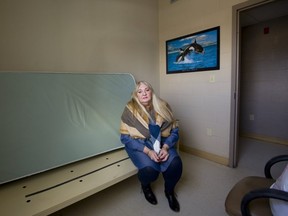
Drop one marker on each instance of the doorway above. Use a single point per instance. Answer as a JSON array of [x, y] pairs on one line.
[[245, 14]]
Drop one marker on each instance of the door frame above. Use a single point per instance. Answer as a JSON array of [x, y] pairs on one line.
[[235, 74]]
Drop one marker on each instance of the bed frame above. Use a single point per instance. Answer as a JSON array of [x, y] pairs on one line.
[[53, 190]]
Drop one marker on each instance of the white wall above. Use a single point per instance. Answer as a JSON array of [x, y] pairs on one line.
[[80, 36], [200, 105]]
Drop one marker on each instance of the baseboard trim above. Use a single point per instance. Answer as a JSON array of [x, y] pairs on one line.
[[205, 155], [264, 138]]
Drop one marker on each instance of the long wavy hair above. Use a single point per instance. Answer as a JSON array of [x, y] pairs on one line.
[[159, 105]]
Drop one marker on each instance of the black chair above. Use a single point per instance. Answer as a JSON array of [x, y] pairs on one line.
[[250, 196]]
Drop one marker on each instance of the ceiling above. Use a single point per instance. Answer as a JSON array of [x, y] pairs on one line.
[[264, 12]]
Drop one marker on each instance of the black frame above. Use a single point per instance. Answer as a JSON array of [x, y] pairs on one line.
[[195, 52]]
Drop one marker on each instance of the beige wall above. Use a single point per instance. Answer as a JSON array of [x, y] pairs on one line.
[[127, 36], [104, 36], [202, 107], [264, 81]]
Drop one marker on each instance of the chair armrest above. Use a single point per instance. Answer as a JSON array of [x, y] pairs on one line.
[[262, 193], [271, 162]]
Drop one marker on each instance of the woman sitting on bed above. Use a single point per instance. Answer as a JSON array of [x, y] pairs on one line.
[[150, 133]]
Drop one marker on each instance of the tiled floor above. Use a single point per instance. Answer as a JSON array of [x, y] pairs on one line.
[[201, 191]]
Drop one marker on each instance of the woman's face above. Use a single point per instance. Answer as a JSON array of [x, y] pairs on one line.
[[144, 94]]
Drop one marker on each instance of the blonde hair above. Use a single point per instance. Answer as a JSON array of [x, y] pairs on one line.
[[159, 105]]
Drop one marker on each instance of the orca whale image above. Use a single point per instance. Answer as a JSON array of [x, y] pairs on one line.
[[193, 47]]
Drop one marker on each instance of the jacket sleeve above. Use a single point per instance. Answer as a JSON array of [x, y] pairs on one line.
[[131, 143], [173, 138]]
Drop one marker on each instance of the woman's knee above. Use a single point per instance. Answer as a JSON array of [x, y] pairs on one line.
[[175, 168], [147, 174], [176, 163]]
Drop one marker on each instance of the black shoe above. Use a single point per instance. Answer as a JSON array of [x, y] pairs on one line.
[[149, 195], [173, 203]]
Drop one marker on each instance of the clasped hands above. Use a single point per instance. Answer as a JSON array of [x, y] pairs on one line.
[[161, 157]]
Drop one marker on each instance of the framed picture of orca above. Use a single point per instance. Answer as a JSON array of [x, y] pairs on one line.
[[194, 52]]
